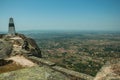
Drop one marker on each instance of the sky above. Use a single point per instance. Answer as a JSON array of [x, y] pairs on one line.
[[96, 15]]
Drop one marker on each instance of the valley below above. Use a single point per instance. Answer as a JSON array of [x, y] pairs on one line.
[[84, 52]]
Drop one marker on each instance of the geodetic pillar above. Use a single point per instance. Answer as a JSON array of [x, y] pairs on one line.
[[11, 26]]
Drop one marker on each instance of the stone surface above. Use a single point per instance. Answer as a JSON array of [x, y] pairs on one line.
[[2, 35], [43, 61], [5, 49], [73, 73], [110, 71], [34, 73], [34, 49], [12, 45]]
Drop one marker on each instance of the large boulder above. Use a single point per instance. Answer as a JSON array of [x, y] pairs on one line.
[[5, 49], [110, 71], [12, 45], [30, 45], [34, 49]]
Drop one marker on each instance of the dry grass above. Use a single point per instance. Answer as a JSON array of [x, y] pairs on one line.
[[18, 62], [10, 67]]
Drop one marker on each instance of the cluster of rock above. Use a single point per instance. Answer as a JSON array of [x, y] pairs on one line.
[[18, 45], [21, 45], [5, 49], [110, 71]]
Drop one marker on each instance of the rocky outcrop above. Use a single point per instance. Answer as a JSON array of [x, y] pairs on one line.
[[21, 35], [15, 45], [4, 62], [2, 35], [12, 45], [34, 49], [73, 75], [5, 49], [110, 71], [34, 73], [30, 45]]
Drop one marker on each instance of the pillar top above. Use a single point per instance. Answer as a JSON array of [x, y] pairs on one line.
[[11, 20]]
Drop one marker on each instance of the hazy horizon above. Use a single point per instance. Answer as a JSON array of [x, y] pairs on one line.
[[63, 31], [68, 15]]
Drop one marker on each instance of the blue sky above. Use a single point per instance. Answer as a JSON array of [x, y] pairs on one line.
[[61, 14]]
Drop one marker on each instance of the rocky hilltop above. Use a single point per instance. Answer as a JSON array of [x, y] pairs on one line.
[[21, 59], [19, 45], [14, 62]]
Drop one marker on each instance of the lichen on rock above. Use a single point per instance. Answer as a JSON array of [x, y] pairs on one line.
[[34, 73], [5, 49]]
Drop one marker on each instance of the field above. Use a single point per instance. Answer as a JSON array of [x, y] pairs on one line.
[[85, 52]]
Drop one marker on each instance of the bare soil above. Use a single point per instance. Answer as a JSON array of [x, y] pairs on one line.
[[20, 60]]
